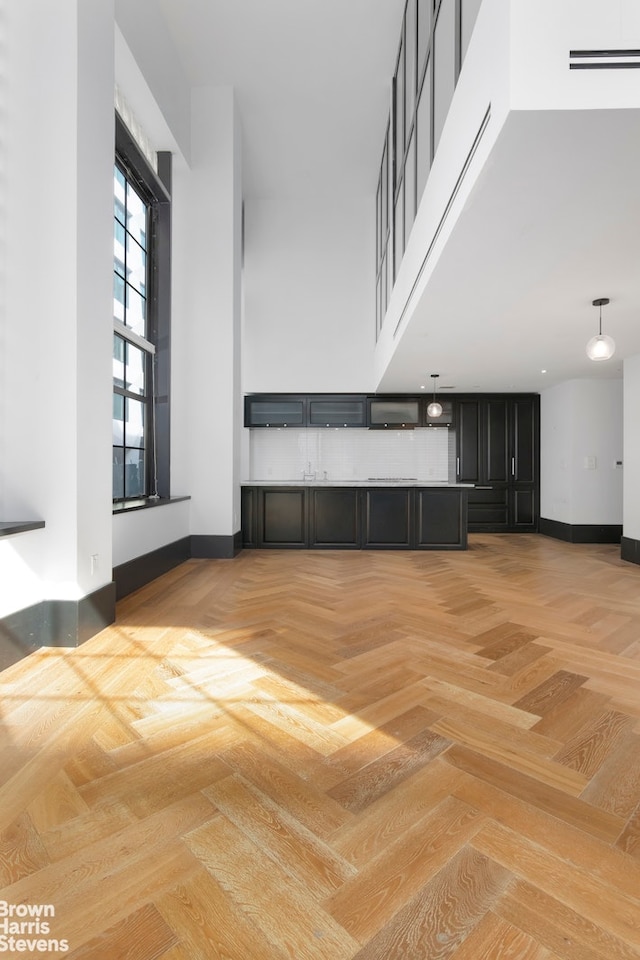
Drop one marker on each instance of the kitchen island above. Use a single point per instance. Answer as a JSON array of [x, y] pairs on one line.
[[375, 514]]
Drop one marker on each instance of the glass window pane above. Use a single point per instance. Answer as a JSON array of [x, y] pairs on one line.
[[444, 80], [385, 194], [399, 113], [136, 316], [118, 298], [410, 189], [470, 10], [424, 29], [118, 473], [118, 361], [378, 221], [118, 420], [136, 265], [383, 290], [134, 481], [136, 362], [410, 62], [399, 231], [118, 194], [118, 247], [134, 423], [423, 134], [136, 216]]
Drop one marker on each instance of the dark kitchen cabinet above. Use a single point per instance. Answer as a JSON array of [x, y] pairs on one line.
[[387, 518], [497, 447], [349, 518], [393, 413], [275, 411], [334, 517], [281, 517], [441, 518], [249, 512], [445, 419], [336, 411]]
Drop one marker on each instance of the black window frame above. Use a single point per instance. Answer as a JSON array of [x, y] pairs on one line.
[[401, 137], [155, 189]]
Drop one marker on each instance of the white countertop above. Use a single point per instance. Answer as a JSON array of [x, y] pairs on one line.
[[357, 483]]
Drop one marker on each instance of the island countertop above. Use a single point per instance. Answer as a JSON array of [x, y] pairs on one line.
[[372, 482]]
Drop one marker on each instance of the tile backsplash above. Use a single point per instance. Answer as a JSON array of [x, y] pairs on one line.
[[351, 454]]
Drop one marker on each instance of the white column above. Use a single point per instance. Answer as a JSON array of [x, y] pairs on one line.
[[214, 313], [56, 378]]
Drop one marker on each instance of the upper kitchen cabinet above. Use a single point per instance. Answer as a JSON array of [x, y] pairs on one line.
[[336, 411], [445, 419], [263, 410], [393, 412], [497, 440]]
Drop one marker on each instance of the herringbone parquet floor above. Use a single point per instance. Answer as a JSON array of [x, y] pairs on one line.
[[336, 755]]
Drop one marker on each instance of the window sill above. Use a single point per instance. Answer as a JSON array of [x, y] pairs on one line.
[[129, 506], [9, 527]]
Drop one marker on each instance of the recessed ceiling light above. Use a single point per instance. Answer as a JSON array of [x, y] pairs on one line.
[[422, 386], [543, 371]]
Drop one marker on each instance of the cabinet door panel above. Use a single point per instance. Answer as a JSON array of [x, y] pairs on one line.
[[337, 412], [387, 518], [282, 518], [524, 441], [496, 442], [334, 518], [467, 442], [248, 500], [441, 518], [523, 512], [279, 411]]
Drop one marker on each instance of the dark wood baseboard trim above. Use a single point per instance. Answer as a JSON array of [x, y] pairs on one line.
[[581, 532], [55, 623], [68, 623], [216, 547], [138, 572], [630, 550]]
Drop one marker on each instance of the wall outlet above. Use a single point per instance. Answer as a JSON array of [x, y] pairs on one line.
[[93, 563], [590, 463]]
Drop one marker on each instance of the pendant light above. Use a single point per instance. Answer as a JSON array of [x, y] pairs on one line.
[[601, 347], [434, 409]]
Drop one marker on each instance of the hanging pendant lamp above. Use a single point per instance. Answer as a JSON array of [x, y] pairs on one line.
[[434, 409], [601, 347]]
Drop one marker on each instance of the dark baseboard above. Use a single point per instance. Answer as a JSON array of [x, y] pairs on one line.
[[68, 623], [216, 547], [581, 532], [138, 572], [630, 550], [55, 623]]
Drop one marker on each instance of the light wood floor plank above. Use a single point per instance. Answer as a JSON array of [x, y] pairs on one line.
[[332, 755]]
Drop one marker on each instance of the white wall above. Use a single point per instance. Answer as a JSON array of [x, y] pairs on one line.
[[56, 382], [581, 439], [309, 321], [214, 313], [631, 498]]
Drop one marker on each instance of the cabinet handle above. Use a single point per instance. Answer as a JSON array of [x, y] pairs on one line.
[[457, 466], [480, 487], [513, 466]]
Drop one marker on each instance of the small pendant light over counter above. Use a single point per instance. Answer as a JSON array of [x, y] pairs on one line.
[[601, 347], [434, 409]]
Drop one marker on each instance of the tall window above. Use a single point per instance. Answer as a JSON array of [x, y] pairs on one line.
[[133, 351], [433, 41], [141, 297]]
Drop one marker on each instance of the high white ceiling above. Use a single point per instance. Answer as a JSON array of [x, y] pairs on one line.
[[553, 222], [312, 80]]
